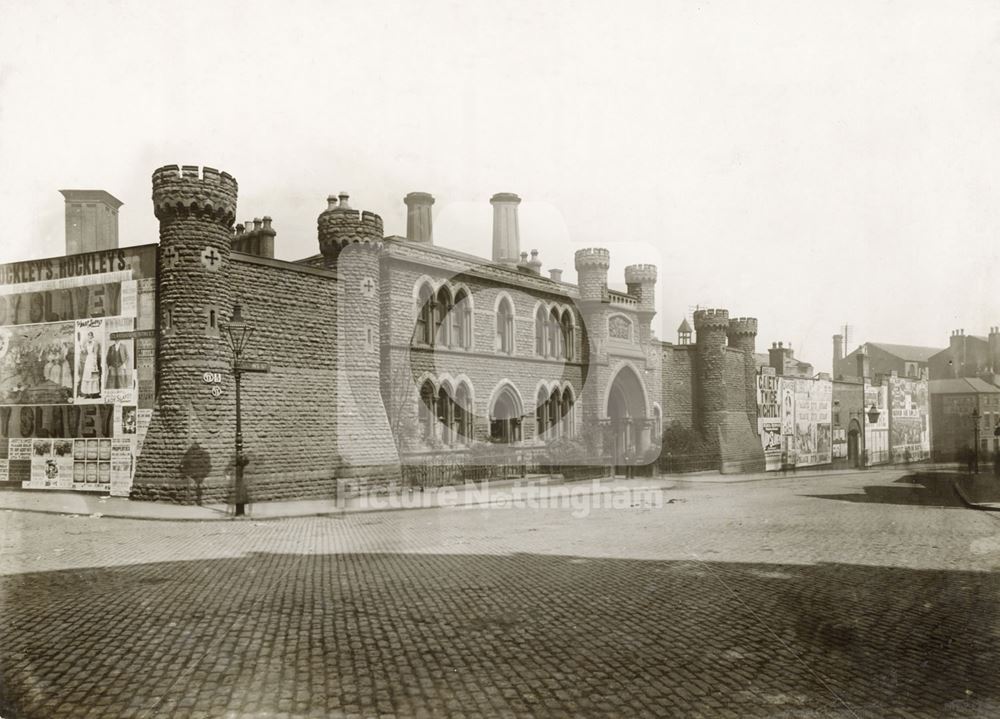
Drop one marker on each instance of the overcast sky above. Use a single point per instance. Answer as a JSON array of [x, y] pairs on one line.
[[810, 164]]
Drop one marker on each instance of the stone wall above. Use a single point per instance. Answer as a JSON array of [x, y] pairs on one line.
[[288, 418]]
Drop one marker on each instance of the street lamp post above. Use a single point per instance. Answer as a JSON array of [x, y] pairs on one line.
[[238, 334], [873, 415]]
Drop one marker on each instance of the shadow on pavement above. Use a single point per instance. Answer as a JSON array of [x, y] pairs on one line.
[[921, 489], [524, 634]]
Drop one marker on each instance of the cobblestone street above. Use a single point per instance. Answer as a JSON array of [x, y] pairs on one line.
[[854, 595]]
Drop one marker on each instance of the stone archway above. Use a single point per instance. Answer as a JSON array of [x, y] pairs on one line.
[[854, 444], [628, 425]]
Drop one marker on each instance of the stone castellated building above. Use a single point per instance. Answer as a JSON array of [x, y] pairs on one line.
[[384, 353]]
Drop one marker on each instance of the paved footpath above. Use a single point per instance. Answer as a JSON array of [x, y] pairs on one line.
[[852, 595]]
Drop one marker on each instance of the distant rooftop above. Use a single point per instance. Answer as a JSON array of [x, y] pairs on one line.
[[962, 385]]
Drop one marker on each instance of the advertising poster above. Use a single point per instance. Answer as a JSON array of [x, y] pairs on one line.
[[70, 410], [813, 404], [909, 434], [839, 443], [122, 466], [787, 407], [119, 362], [36, 364], [89, 360], [769, 417]]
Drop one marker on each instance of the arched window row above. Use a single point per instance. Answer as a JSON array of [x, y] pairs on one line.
[[554, 412], [555, 332], [445, 412], [444, 316]]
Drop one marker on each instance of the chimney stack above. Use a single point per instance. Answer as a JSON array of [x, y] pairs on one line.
[[838, 352], [535, 264], [91, 220], [864, 370], [419, 222], [555, 275], [506, 233]]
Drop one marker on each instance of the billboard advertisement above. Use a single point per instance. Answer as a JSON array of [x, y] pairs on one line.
[[794, 420], [812, 441], [769, 417], [909, 424], [76, 392]]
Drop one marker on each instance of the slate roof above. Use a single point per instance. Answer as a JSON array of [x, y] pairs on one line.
[[908, 352], [962, 385]]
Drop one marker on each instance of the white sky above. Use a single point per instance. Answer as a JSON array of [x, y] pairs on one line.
[[806, 163]]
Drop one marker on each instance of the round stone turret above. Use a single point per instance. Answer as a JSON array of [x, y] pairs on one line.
[[640, 281], [711, 321], [711, 327], [186, 439], [742, 335], [190, 190], [340, 225], [592, 273], [638, 274], [742, 327]]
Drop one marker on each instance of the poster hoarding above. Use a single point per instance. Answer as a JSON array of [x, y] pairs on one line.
[[70, 371]]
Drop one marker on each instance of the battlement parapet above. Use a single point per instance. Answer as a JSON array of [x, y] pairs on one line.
[[743, 326], [592, 257], [340, 225], [711, 319], [192, 190], [638, 274]]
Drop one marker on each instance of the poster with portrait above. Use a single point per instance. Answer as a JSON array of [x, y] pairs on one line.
[[36, 363], [813, 405], [909, 435], [89, 369], [119, 378]]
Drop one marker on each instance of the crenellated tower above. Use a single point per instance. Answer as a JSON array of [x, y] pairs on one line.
[[592, 265], [742, 335], [711, 329], [352, 243], [640, 281], [186, 453]]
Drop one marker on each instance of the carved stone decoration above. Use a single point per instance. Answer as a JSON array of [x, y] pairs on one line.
[[619, 328]]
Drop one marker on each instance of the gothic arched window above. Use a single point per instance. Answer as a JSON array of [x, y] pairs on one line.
[[541, 412], [446, 415], [426, 416], [554, 411], [567, 334], [463, 413], [444, 307], [505, 327], [567, 412], [554, 332], [540, 331], [461, 321], [425, 311]]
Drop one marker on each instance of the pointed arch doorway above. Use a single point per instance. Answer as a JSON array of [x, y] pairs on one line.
[[628, 426]]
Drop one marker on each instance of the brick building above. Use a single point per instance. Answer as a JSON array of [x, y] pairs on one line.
[[905, 360], [953, 402], [969, 356], [383, 352]]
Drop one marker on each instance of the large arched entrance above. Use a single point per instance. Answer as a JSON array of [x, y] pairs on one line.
[[628, 427]]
